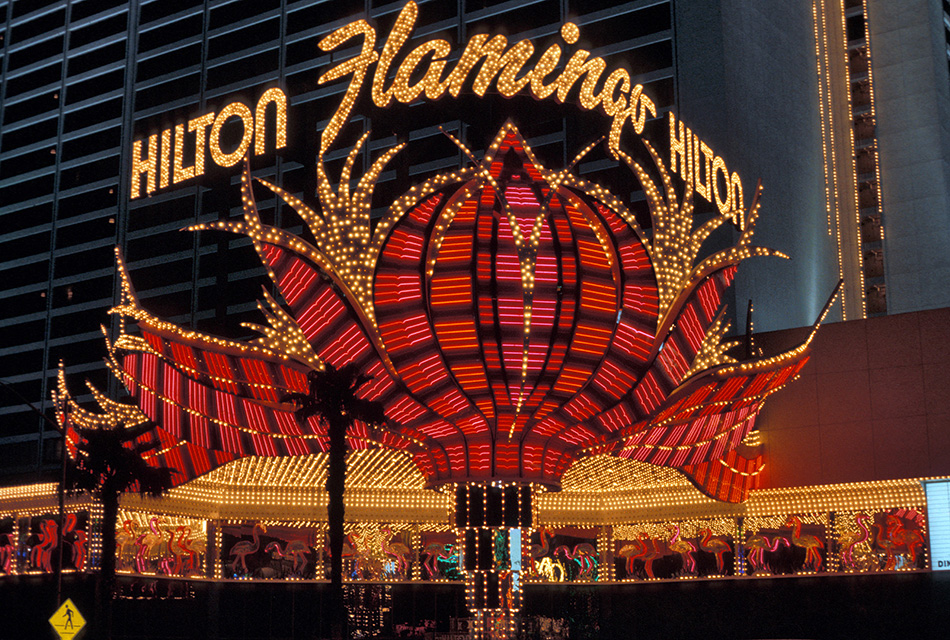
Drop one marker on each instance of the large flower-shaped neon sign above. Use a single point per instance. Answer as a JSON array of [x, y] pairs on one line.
[[513, 318]]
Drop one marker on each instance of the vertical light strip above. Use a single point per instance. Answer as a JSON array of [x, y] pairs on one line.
[[877, 150], [834, 202], [822, 96], [854, 168]]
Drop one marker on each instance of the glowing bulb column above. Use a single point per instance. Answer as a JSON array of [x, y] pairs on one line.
[[490, 519]]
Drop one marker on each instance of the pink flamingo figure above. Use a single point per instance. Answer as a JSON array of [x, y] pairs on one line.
[[538, 551], [810, 543], [651, 551], [396, 550], [297, 550], [42, 554], [848, 541], [142, 544], [244, 548], [7, 553], [436, 551], [716, 546], [125, 542], [584, 555], [170, 563], [145, 542], [683, 547], [631, 552], [759, 545], [911, 538], [78, 545], [185, 544]]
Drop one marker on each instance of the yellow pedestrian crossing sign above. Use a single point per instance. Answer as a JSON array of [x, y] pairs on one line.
[[67, 621]]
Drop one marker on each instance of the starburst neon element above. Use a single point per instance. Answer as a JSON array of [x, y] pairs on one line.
[[513, 319]]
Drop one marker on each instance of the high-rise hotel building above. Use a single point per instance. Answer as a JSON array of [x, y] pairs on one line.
[[841, 108]]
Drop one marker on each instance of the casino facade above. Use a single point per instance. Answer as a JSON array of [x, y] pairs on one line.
[[533, 252]]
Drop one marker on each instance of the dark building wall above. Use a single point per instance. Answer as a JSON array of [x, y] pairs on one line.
[[909, 43], [81, 79], [746, 84], [873, 403]]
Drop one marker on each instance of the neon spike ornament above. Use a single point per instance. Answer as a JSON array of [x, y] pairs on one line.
[[513, 318]]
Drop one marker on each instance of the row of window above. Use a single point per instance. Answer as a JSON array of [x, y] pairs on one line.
[[73, 99]]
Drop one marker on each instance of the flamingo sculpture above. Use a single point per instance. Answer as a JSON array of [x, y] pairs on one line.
[[125, 543], [683, 547], [145, 543], [41, 555], [78, 544], [6, 554], [243, 548], [631, 551], [810, 543], [170, 562], [717, 546], [296, 550], [644, 548], [185, 545], [584, 555], [396, 550], [884, 541], [911, 538], [650, 553], [435, 552], [79, 550], [759, 545], [848, 541], [538, 551]]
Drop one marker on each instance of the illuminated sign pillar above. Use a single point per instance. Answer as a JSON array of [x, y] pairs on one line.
[[491, 520]]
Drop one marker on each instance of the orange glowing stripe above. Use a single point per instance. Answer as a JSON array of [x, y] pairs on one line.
[[450, 299], [592, 254], [455, 249]]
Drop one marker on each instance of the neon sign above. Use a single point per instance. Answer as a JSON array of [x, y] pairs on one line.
[[484, 61], [163, 163]]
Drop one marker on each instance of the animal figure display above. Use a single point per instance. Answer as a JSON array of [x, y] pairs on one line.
[[850, 539], [271, 553], [46, 539], [42, 543], [161, 545], [859, 542], [684, 548], [812, 544], [76, 537], [786, 544], [568, 555], [240, 550], [439, 556], [441, 560], [371, 552], [7, 552], [677, 550], [295, 552], [717, 546], [899, 540], [893, 540], [757, 546]]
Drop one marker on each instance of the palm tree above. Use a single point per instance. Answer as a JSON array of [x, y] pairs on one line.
[[108, 463], [331, 398]]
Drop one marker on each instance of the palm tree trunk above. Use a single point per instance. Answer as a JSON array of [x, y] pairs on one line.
[[336, 480], [110, 516]]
